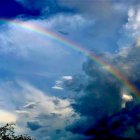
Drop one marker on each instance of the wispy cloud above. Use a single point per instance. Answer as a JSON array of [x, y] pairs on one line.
[[39, 108]]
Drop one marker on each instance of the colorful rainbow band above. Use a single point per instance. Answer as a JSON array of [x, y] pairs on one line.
[[43, 31]]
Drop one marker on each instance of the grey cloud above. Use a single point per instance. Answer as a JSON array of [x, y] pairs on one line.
[[101, 94], [44, 8], [44, 5], [100, 7], [108, 17], [33, 125], [128, 62]]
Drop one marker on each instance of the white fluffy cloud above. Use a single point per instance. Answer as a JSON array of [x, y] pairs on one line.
[[133, 24], [59, 83], [34, 106]]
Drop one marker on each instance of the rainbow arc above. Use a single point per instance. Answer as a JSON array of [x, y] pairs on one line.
[[45, 32]]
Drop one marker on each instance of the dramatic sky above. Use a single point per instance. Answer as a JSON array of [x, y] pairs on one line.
[[53, 91]]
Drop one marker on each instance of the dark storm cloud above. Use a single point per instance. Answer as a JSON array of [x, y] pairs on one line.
[[12, 9], [99, 102], [46, 8], [99, 97], [121, 125], [100, 87], [30, 8]]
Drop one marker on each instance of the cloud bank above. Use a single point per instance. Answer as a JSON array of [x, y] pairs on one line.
[[84, 103]]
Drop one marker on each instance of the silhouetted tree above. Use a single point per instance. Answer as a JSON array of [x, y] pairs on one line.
[[7, 133]]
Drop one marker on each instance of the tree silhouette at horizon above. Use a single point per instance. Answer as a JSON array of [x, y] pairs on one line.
[[7, 132]]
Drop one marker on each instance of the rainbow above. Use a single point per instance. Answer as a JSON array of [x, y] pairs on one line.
[[45, 32]]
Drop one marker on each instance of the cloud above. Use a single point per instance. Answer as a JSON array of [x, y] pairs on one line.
[[57, 87], [100, 7], [102, 95], [108, 18], [37, 109], [33, 125], [7, 117], [44, 8], [128, 62], [43, 102], [38, 5], [133, 25], [67, 77], [117, 126], [12, 9], [30, 105], [22, 112], [130, 30], [32, 58], [13, 43], [59, 83], [36, 58]]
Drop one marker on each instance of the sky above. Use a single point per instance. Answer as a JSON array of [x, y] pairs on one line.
[[52, 85]]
